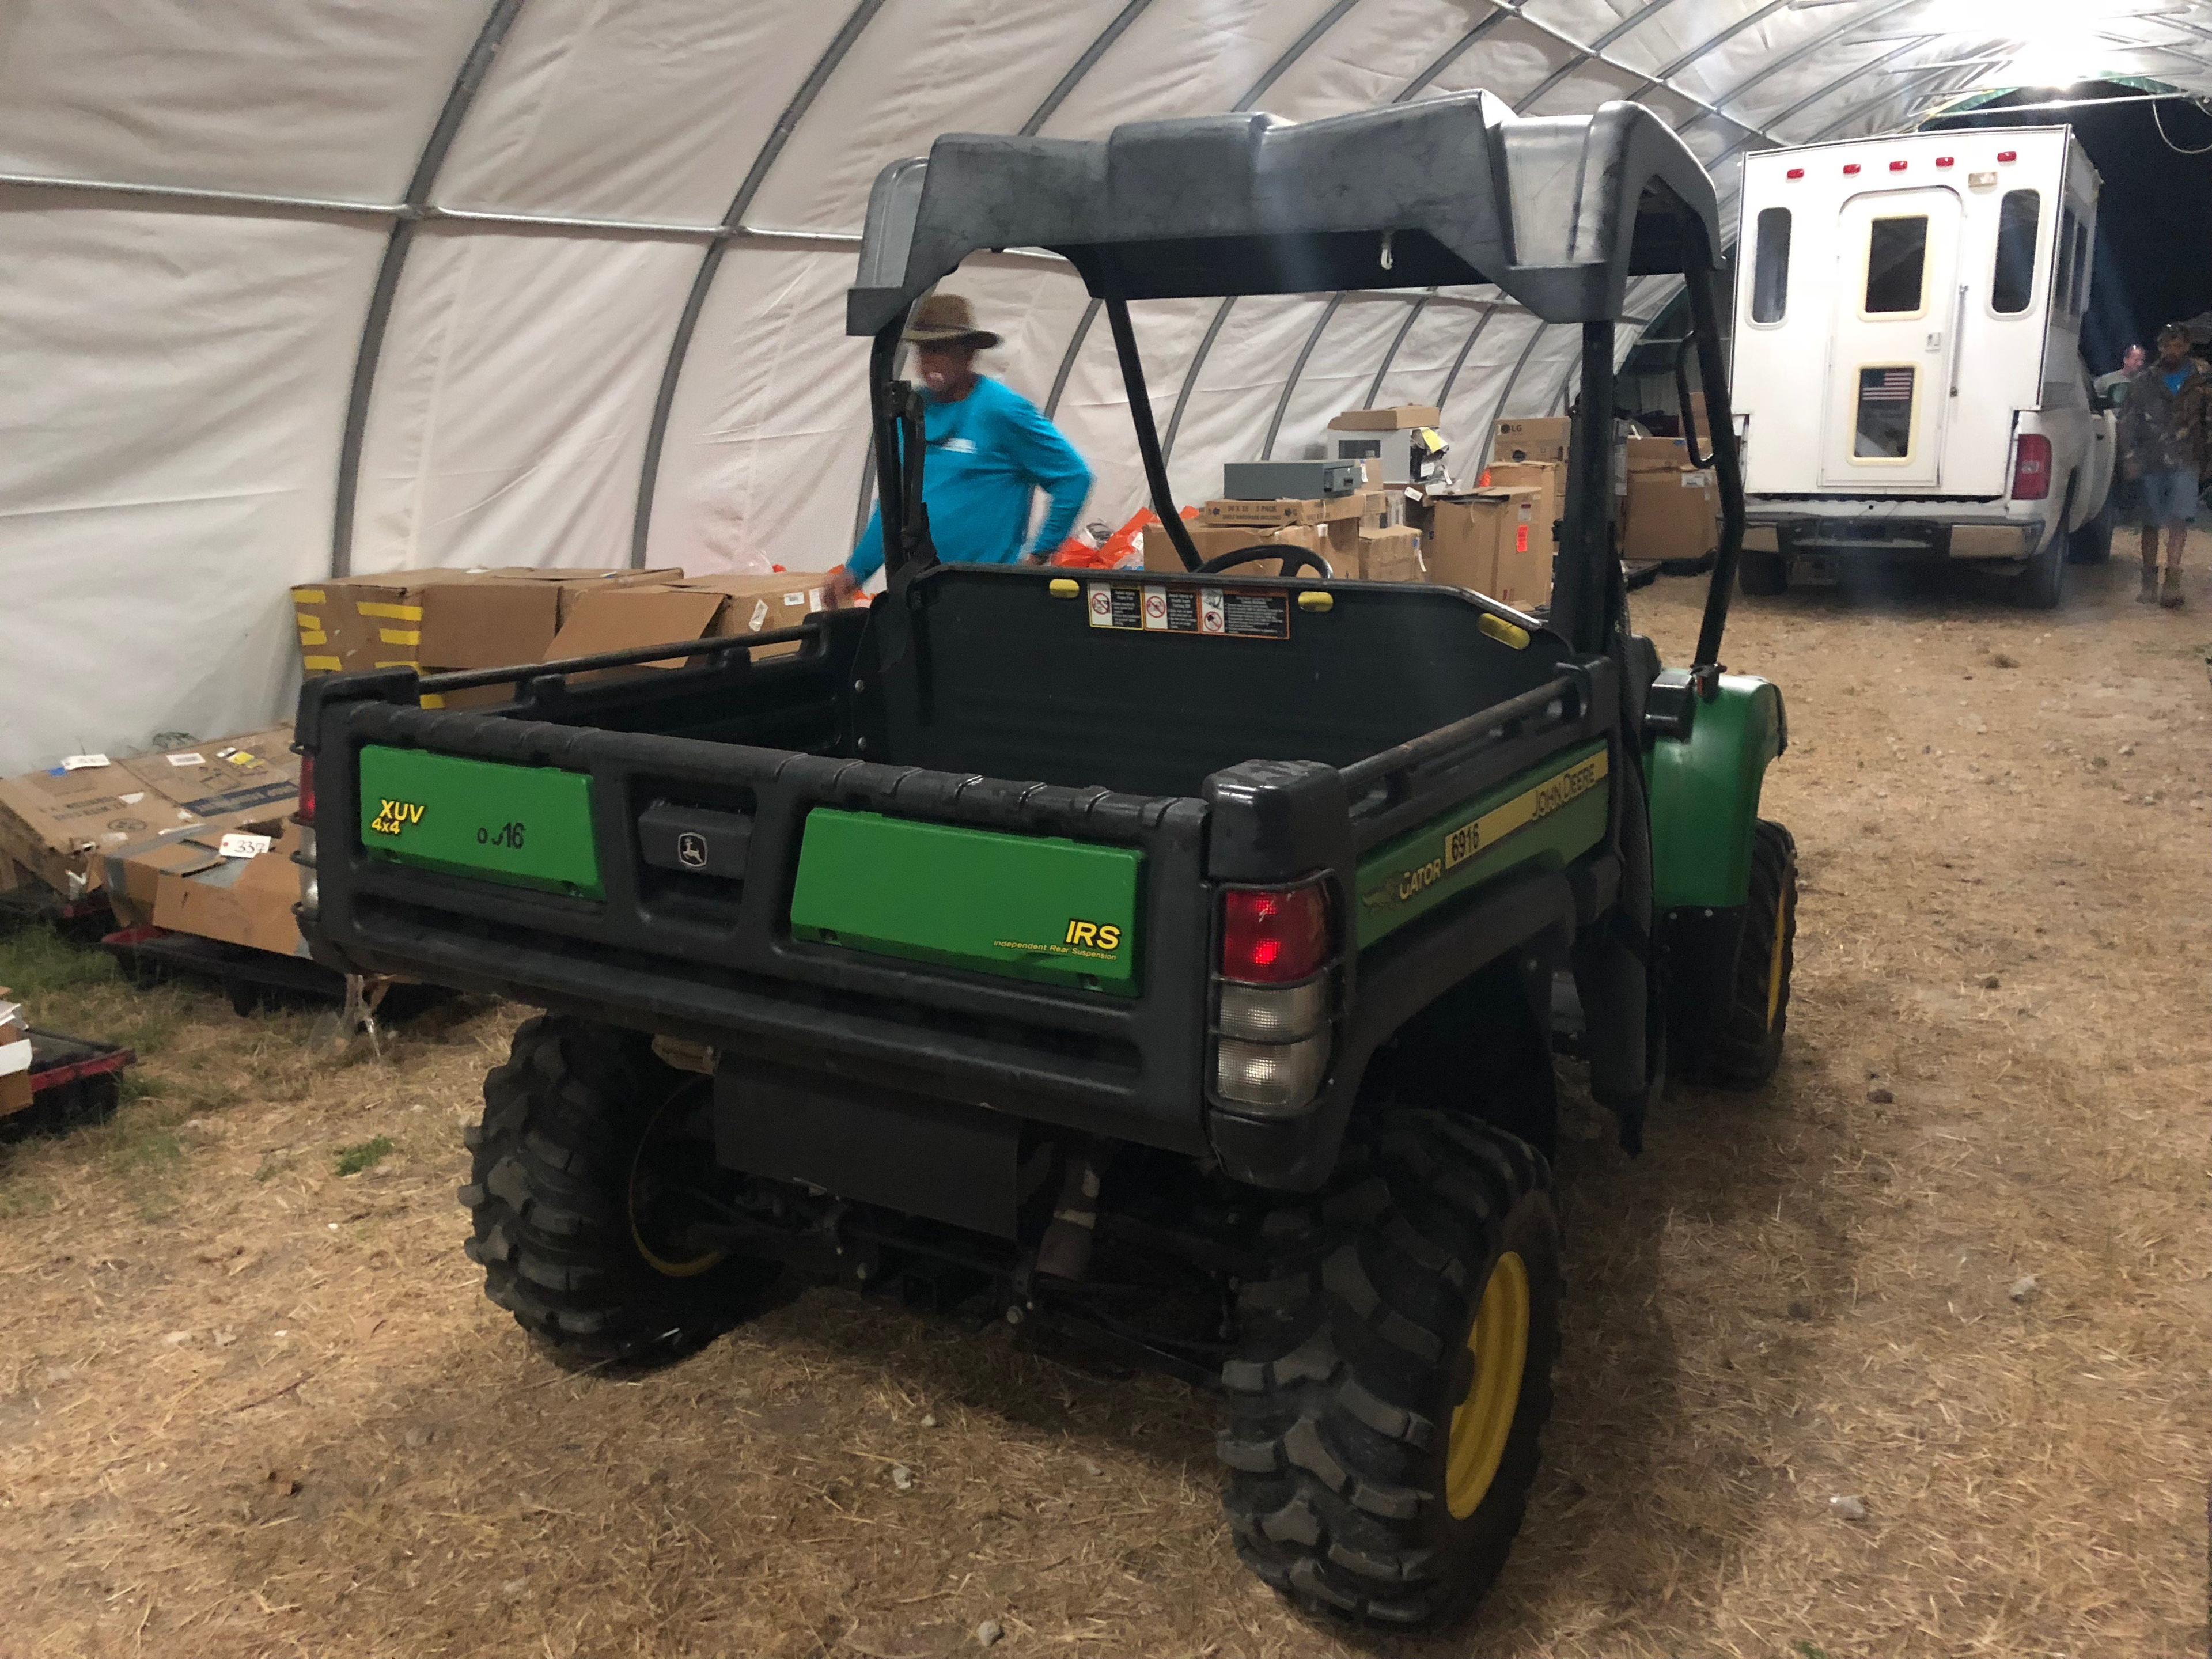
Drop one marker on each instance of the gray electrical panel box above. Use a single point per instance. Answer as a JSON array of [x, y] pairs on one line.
[[1297, 480]]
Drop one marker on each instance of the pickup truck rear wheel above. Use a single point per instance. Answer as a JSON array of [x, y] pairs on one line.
[[1392, 1376], [1762, 576], [586, 1172]]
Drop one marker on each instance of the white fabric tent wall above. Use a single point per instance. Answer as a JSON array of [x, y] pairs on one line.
[[613, 241]]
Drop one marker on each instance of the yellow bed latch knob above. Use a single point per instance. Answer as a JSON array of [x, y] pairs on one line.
[[1062, 587], [1312, 601]]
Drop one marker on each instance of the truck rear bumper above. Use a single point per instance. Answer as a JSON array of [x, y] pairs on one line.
[[1893, 537]]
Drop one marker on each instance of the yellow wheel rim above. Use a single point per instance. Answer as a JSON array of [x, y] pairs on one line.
[[1774, 963], [1499, 1340], [640, 1174]]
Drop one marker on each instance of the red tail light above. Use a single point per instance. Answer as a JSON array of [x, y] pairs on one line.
[[1273, 937], [1850, 169], [2031, 468], [306, 813]]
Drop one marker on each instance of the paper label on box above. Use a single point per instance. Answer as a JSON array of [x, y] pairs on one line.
[[794, 598], [14, 1056], [1694, 481], [133, 798], [759, 614], [188, 758], [235, 844], [80, 762]]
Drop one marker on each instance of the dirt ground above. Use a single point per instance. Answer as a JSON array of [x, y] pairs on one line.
[[1953, 1265]]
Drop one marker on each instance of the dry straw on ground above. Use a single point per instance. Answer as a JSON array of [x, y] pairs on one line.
[[250, 1407]]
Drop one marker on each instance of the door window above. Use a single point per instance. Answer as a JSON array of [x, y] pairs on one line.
[[2020, 216], [1897, 258], [1770, 279], [1884, 422]]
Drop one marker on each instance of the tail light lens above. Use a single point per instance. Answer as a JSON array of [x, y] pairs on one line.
[[1272, 936], [307, 812], [1271, 1040], [2031, 468]]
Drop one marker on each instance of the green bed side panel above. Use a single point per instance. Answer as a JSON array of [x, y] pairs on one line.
[[1033, 906], [528, 826], [1558, 810], [1704, 796]]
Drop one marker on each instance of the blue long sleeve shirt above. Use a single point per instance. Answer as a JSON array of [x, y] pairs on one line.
[[985, 454]]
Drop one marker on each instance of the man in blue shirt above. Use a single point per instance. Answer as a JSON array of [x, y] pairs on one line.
[[990, 448]]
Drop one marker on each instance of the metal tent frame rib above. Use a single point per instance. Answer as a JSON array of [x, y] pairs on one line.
[[1898, 86]]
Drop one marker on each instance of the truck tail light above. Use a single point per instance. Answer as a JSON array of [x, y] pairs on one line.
[[2031, 468], [307, 812], [1272, 935], [1272, 1039]]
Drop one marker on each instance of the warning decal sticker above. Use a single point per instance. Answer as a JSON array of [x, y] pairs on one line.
[[1227, 613]]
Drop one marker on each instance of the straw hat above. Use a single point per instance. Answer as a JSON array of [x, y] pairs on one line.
[[947, 320]]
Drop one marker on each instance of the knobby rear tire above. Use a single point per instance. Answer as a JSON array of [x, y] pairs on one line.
[[552, 1175], [1742, 1049], [1352, 1355]]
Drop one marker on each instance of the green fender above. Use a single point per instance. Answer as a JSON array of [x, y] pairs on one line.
[[1705, 795]]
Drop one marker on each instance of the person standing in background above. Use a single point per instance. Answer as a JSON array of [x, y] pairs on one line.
[[2113, 386], [2163, 447], [989, 449]]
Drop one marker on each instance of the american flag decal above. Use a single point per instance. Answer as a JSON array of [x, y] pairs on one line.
[[1886, 386]]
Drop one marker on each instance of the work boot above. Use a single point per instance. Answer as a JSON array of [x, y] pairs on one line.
[[2149, 593], [2169, 593]]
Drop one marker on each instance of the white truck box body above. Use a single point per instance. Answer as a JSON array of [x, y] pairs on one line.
[[1906, 308]]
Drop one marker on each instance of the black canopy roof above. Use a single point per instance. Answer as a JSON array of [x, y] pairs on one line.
[[1557, 211]]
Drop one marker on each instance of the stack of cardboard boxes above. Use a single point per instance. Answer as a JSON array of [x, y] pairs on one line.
[[198, 839], [1671, 510], [61, 826], [1362, 534], [438, 621]]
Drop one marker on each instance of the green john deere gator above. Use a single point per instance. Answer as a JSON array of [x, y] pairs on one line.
[[1173, 962]]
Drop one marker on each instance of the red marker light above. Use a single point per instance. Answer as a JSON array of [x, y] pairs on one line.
[[1849, 167], [1794, 172], [2007, 155], [1273, 938], [1942, 161], [1896, 166], [307, 812], [2031, 471]]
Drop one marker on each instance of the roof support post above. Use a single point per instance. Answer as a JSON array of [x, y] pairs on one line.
[[1578, 599], [474, 68]]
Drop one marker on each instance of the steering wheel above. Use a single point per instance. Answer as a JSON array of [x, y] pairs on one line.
[[1293, 558]]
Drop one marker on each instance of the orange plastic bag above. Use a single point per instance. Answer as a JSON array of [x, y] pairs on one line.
[[1122, 550]]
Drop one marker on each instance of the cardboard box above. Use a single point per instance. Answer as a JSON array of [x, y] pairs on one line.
[[1393, 554], [238, 900], [765, 604], [707, 607], [1211, 541], [1547, 478], [1394, 418], [1486, 540], [1671, 515], [1287, 511], [441, 620], [1544, 439], [56, 822], [15, 1090], [1645, 454], [253, 776]]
